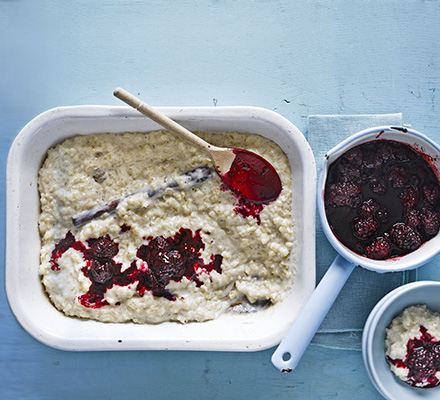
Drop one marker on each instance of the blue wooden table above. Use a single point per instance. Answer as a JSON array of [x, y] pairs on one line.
[[295, 57]]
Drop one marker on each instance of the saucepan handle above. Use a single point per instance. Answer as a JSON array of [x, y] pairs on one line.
[[292, 347]]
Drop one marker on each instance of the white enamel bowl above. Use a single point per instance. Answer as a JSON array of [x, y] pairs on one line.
[[231, 332], [373, 339]]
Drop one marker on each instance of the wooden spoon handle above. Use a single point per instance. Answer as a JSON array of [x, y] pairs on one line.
[[162, 119]]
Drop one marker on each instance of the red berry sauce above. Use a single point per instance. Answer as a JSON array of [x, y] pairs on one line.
[[172, 258], [125, 228], [422, 360], [252, 178], [61, 247], [254, 182], [157, 263], [382, 199], [249, 209]]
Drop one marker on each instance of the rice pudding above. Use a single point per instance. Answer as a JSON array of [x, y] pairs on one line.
[[187, 255], [413, 346]]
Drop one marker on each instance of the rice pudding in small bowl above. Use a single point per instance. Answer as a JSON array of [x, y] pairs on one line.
[[401, 342]]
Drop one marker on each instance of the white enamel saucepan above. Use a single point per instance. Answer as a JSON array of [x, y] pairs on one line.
[[294, 344]]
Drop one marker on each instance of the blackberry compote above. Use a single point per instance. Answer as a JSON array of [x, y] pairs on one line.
[[412, 346], [382, 199], [157, 263], [422, 360]]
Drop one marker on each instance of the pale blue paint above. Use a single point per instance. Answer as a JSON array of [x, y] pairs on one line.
[[295, 57]]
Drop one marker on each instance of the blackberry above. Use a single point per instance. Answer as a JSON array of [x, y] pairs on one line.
[[369, 208], [431, 193], [405, 236], [154, 249], [170, 263], [347, 173], [103, 247], [398, 175], [385, 150], [412, 218], [102, 272], [378, 249], [429, 221], [375, 180], [354, 156], [345, 194], [409, 197], [365, 228], [155, 283]]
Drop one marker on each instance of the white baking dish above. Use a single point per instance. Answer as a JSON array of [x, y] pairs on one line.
[[231, 332]]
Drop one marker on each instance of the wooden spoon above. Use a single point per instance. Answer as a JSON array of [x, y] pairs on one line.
[[246, 174]]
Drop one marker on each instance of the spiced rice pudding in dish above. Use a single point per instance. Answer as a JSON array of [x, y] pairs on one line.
[[190, 253]]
